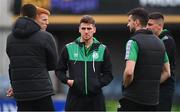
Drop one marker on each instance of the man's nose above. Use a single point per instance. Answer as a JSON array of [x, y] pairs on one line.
[[86, 30]]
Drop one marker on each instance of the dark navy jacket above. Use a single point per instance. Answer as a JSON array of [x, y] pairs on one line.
[[32, 54]]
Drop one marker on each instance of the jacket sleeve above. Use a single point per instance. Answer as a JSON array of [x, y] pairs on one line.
[[171, 51], [106, 76], [62, 66], [51, 53], [9, 69]]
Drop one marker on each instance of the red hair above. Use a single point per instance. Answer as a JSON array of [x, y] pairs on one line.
[[42, 10]]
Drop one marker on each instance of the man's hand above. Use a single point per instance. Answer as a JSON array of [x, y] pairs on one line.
[[9, 92], [70, 82]]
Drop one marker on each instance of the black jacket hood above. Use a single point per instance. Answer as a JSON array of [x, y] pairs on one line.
[[25, 27]]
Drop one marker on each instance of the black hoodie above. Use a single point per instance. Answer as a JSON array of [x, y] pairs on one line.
[[32, 54], [168, 86]]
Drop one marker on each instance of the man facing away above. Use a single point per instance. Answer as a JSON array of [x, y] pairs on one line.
[[32, 54], [89, 67], [156, 24], [146, 65], [42, 19]]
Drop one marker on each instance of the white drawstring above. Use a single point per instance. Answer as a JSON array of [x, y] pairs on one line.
[[94, 65], [94, 62], [77, 55]]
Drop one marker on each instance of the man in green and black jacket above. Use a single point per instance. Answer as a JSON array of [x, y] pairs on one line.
[[89, 66]]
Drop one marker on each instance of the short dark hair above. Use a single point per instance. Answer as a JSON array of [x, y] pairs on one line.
[[156, 15], [87, 19], [29, 10], [141, 14]]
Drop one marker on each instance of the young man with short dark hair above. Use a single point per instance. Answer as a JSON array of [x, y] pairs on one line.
[[167, 88], [90, 69]]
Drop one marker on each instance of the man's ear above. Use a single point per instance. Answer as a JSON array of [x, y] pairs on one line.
[[137, 22], [94, 30], [161, 25], [79, 29]]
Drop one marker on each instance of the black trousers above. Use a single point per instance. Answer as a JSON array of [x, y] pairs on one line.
[[165, 98], [128, 105], [85, 103], [43, 104]]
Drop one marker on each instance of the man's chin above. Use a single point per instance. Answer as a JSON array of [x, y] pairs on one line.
[[44, 29], [86, 37]]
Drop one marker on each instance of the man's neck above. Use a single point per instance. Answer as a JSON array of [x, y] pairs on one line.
[[159, 32], [87, 42], [138, 28]]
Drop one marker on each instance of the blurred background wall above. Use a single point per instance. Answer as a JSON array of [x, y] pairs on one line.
[[5, 25], [111, 26]]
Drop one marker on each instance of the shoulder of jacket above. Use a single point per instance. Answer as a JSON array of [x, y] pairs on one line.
[[9, 37], [69, 44], [102, 45], [44, 33], [165, 37]]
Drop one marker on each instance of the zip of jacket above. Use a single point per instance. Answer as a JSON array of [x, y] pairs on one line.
[[85, 77]]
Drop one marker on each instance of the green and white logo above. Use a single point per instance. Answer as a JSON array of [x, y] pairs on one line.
[[75, 55], [95, 55]]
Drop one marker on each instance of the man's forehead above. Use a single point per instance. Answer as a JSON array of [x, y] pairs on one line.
[[43, 15], [86, 25], [152, 21]]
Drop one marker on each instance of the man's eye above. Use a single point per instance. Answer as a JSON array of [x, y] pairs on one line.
[[83, 28], [89, 28], [86, 28]]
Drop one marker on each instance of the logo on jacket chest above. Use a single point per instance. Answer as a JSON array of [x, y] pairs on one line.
[[95, 55], [75, 55]]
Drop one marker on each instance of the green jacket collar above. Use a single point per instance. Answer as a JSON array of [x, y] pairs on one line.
[[95, 43]]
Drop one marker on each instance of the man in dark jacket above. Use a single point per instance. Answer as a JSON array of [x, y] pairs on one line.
[[32, 54], [90, 69], [145, 59], [156, 24]]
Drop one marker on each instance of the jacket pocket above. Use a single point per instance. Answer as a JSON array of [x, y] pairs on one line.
[[94, 85], [78, 86]]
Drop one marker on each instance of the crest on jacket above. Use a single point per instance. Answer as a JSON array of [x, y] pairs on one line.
[[95, 55]]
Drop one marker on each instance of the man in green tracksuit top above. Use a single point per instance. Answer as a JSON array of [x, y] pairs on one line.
[[89, 67]]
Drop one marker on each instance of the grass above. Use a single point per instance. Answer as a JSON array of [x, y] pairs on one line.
[[176, 108], [112, 105]]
